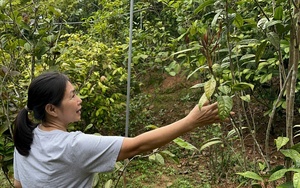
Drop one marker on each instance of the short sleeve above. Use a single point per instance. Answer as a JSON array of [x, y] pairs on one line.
[[15, 164], [94, 153]]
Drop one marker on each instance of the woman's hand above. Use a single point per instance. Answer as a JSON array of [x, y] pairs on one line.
[[207, 115]]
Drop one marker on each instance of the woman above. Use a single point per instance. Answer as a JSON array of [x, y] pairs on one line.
[[47, 155]]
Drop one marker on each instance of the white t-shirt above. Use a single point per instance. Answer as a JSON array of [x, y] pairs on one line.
[[61, 159]]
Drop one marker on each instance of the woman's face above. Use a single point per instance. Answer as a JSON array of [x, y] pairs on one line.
[[70, 109]]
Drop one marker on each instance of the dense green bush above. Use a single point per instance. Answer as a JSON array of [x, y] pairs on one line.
[[99, 77]]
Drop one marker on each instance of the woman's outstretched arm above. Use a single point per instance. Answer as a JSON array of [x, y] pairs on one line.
[[148, 141]]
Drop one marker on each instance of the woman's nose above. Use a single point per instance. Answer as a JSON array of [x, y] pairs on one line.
[[79, 100]]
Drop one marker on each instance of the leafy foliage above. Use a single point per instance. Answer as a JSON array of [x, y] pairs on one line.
[[279, 172], [93, 67], [237, 56]]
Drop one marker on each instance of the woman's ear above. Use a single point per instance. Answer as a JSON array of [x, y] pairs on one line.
[[51, 110]]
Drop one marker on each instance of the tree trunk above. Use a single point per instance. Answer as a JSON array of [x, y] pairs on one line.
[[291, 87]]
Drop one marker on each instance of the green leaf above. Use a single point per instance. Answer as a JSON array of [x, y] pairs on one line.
[[261, 23], [251, 175], [27, 47], [96, 180], [108, 184], [296, 147], [242, 86], [260, 51], [3, 128], [216, 17], [274, 39], [278, 174], [193, 28], [280, 142], [2, 3], [262, 166], [262, 65], [272, 22], [266, 77], [159, 158], [293, 154], [247, 56], [238, 21], [202, 100], [119, 166], [211, 142], [197, 86], [186, 50], [225, 105], [197, 70], [283, 104], [166, 152], [55, 11], [151, 127], [203, 5], [173, 68], [278, 13], [296, 126], [88, 127], [296, 180], [180, 142], [246, 98], [209, 87], [233, 132], [152, 157], [225, 90], [172, 73]]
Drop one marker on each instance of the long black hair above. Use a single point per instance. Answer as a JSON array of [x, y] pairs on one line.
[[47, 88]]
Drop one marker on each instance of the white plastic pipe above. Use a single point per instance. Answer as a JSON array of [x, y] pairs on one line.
[[129, 68]]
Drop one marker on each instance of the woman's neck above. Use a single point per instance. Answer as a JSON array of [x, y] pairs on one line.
[[50, 127]]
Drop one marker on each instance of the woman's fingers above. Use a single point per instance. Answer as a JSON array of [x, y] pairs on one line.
[[208, 114]]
